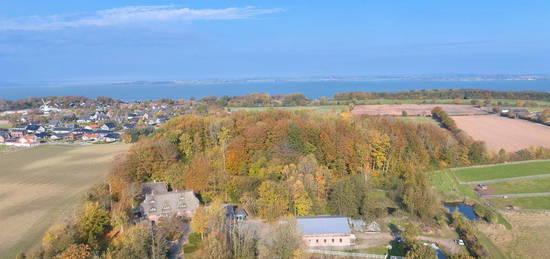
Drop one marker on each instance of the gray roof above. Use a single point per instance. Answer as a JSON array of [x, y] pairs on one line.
[[169, 204], [323, 225], [156, 187]]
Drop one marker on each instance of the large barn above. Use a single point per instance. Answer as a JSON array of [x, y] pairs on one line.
[[326, 231]]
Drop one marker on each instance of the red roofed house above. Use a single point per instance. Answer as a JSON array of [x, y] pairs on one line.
[[25, 141], [92, 127], [90, 137]]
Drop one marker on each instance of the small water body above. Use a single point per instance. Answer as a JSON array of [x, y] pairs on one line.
[[440, 254], [466, 210]]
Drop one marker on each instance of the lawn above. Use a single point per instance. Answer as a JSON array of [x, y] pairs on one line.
[[503, 171], [529, 203], [41, 186], [521, 186], [449, 188]]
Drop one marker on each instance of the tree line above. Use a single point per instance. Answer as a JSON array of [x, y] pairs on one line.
[[275, 164]]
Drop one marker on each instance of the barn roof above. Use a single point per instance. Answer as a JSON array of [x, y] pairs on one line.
[[323, 225]]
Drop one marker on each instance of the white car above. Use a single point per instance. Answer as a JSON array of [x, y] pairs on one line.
[[460, 242]]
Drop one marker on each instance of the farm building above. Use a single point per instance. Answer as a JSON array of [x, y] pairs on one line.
[[326, 231], [234, 213], [159, 202]]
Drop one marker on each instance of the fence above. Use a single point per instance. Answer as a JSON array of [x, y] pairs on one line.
[[350, 254]]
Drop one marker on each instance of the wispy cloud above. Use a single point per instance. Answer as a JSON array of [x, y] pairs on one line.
[[130, 15]]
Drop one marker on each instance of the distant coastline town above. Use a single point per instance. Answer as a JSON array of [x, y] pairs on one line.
[[80, 120]]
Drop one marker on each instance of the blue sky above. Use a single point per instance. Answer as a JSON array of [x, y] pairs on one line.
[[156, 40]]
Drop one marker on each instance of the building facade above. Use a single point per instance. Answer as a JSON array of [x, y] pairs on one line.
[[326, 231]]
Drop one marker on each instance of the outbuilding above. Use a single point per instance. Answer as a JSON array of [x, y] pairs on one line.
[[331, 231]]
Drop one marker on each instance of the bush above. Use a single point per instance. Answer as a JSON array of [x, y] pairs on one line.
[[485, 212]]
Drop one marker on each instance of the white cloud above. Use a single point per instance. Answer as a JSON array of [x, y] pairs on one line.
[[129, 15]]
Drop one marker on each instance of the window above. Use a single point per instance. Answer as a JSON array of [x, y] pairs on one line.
[[340, 240], [333, 240], [153, 209], [325, 240], [316, 240]]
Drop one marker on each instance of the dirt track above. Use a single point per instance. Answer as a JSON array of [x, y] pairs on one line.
[[499, 132]]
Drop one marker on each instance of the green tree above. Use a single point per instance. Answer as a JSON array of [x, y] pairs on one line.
[[273, 200], [136, 242], [417, 250], [411, 232], [93, 224]]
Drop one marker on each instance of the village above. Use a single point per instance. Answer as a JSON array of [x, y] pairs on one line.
[[83, 123]]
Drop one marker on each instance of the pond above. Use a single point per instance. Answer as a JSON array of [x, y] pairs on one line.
[[466, 210], [440, 254]]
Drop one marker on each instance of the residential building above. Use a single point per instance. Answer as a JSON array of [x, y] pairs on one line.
[[166, 204], [108, 126]]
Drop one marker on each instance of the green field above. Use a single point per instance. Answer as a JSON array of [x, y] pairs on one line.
[[447, 185], [521, 186], [503, 171], [42, 185], [528, 203]]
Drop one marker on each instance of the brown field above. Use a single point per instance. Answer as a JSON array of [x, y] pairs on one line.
[[41, 186], [499, 132], [415, 109], [528, 237]]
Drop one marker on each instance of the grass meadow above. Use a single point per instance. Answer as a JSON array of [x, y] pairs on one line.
[[41, 186], [521, 186], [528, 203], [503, 171]]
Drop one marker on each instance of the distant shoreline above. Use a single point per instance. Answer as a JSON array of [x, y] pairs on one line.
[[312, 89]]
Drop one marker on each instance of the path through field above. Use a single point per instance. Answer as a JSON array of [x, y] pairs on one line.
[[500, 132], [42, 185]]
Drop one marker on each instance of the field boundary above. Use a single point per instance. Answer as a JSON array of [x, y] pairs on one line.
[[490, 165], [350, 254], [514, 195], [506, 179]]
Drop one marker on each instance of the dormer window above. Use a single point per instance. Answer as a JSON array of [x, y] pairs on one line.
[[152, 209], [152, 201], [166, 208], [182, 206], [182, 197]]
